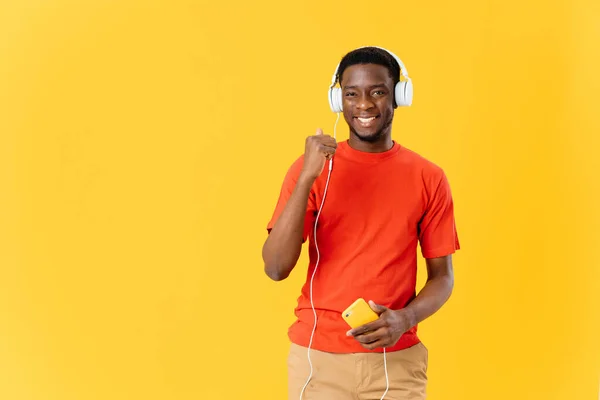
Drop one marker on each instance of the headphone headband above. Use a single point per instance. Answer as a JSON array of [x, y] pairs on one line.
[[403, 71]]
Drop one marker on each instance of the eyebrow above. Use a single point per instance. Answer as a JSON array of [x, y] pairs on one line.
[[379, 85]]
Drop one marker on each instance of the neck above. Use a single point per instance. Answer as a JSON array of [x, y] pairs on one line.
[[384, 143]]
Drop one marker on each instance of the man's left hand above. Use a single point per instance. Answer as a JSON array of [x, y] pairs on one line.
[[385, 331]]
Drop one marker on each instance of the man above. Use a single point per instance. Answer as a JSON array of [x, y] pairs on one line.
[[382, 200]]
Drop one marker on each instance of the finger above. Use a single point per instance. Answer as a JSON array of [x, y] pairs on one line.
[[372, 337], [366, 328], [379, 309], [374, 345], [326, 147], [319, 132], [325, 139], [326, 150]]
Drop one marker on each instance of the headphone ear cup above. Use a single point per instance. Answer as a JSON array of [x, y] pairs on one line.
[[403, 93], [335, 100]]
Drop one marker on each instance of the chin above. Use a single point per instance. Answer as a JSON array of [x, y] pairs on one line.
[[367, 134]]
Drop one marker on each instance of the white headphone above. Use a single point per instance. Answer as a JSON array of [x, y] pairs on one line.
[[403, 92]]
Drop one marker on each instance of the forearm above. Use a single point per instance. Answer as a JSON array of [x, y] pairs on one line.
[[284, 244], [430, 299]]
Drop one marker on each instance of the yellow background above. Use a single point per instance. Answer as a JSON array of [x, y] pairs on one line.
[[143, 144]]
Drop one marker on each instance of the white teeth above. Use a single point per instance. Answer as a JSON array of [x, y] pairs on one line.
[[365, 120]]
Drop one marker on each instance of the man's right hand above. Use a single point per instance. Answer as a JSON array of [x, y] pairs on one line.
[[284, 244], [318, 149]]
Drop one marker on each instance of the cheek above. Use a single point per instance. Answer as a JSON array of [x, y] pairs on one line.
[[387, 108], [347, 112], [347, 104]]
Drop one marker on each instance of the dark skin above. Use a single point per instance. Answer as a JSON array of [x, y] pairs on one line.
[[367, 91]]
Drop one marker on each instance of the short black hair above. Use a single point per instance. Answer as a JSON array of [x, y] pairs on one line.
[[370, 55]]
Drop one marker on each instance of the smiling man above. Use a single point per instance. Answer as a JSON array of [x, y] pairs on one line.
[[381, 201]]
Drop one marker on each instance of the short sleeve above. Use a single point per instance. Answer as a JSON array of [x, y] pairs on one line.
[[437, 230], [289, 183]]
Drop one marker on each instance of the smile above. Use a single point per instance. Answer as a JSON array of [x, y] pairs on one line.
[[366, 121]]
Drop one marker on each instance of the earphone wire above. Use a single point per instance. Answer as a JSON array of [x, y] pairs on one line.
[[387, 381], [312, 304]]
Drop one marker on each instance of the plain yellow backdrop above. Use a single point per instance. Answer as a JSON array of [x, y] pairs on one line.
[[142, 148]]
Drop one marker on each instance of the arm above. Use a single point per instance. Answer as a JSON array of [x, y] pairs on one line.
[[437, 290], [391, 325], [284, 243], [438, 241]]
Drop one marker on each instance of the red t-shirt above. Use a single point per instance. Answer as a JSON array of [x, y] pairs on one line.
[[378, 208]]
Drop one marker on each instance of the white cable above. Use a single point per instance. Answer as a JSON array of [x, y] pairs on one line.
[[387, 382], [312, 304], [311, 284]]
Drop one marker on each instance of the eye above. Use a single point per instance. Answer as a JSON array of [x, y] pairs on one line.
[[379, 93], [348, 94]]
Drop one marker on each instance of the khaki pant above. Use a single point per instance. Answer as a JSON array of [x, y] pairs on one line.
[[358, 376]]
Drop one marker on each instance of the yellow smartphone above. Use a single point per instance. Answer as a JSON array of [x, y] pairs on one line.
[[359, 313]]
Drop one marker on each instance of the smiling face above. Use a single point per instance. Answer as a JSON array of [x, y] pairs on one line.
[[368, 100]]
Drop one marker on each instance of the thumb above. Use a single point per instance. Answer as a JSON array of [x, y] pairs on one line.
[[319, 131], [379, 309]]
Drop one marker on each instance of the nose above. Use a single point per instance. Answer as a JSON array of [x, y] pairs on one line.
[[364, 102]]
